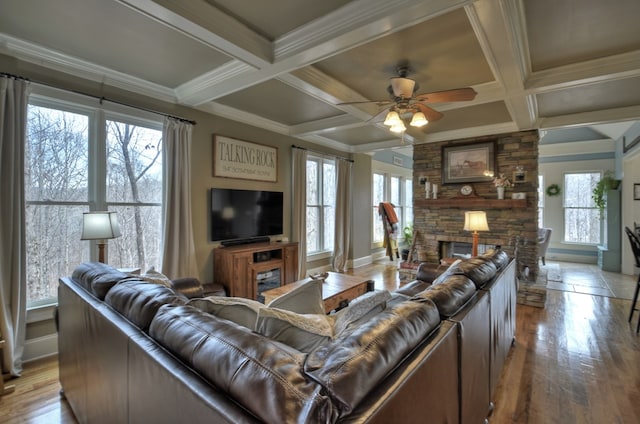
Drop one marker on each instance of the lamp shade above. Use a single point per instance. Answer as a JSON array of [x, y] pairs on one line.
[[100, 225], [418, 120], [475, 221], [392, 119], [398, 128]]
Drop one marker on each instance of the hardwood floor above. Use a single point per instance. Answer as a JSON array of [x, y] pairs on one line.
[[575, 361]]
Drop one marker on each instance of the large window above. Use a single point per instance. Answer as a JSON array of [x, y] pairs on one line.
[[321, 201], [79, 158], [581, 216], [395, 189]]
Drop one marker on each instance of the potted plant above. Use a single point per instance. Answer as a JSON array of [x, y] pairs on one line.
[[407, 236], [607, 182]]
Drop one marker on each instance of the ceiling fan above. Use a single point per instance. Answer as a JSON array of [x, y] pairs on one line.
[[405, 103]]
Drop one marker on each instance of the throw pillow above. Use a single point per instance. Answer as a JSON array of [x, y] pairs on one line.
[[305, 299], [153, 276], [369, 303], [304, 332], [236, 309]]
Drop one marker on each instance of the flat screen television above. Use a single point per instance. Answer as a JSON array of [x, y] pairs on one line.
[[244, 214]]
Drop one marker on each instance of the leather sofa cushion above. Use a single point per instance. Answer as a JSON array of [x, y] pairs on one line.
[[138, 300], [451, 295], [498, 256], [262, 375], [188, 286], [479, 269], [452, 269], [428, 272], [352, 365], [409, 289], [97, 278]]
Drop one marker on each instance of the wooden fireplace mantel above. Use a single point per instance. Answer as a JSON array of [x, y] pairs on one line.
[[471, 203]]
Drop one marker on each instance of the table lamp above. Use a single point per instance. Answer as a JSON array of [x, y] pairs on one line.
[[100, 226], [475, 221]]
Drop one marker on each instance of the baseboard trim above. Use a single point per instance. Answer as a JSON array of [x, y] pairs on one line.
[[40, 347]]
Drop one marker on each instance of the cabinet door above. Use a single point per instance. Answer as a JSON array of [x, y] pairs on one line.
[[290, 264], [243, 285]]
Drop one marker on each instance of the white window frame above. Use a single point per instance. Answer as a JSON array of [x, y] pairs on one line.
[[322, 253], [565, 207], [49, 97], [406, 199]]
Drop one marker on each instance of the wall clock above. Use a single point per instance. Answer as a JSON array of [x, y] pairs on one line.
[[466, 190]]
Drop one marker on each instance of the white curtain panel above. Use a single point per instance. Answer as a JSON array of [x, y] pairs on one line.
[[342, 235], [178, 247], [13, 284], [299, 218]]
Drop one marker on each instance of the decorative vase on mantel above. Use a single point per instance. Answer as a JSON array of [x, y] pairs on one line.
[[500, 192]]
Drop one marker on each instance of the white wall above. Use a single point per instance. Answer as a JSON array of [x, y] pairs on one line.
[[555, 162]]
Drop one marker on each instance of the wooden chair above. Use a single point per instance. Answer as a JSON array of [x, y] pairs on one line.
[[635, 247]]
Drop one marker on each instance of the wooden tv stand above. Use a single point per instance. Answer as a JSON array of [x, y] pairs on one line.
[[237, 267]]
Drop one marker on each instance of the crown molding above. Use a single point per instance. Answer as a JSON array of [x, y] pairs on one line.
[[51, 59]]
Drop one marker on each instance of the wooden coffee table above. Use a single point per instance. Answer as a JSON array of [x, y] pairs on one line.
[[337, 290]]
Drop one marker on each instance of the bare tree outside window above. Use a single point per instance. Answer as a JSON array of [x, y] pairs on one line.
[[134, 190], [581, 217], [321, 200], [56, 193], [61, 183]]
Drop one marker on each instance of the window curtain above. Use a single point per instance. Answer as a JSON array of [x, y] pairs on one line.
[[299, 185], [342, 228], [178, 251], [13, 282]]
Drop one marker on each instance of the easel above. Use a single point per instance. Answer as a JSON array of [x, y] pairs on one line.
[[413, 245], [4, 390]]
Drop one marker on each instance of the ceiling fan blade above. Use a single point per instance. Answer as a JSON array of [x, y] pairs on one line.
[[455, 95], [431, 114], [378, 102]]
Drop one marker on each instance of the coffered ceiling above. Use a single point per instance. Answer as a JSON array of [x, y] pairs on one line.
[[286, 65]]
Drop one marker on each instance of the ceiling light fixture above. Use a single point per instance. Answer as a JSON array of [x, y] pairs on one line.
[[418, 120], [394, 121], [398, 127], [392, 118]]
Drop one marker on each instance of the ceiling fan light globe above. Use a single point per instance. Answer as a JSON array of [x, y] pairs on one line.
[[392, 119], [418, 120], [403, 87], [398, 128]]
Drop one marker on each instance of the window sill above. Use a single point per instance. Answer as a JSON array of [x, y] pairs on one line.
[[318, 256], [41, 313]]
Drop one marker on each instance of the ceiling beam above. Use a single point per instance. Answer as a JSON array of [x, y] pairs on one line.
[[357, 23], [500, 29], [203, 22]]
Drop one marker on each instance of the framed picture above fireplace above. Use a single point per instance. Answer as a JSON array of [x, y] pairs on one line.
[[468, 163]]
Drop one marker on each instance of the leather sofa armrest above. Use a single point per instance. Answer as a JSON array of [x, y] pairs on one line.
[[190, 287]]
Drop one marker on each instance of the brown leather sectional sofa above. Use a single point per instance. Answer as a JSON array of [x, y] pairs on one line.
[[133, 351]]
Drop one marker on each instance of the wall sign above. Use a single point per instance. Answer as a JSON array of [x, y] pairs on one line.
[[241, 159]]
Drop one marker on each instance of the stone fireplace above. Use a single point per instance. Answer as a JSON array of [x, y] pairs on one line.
[[513, 223]]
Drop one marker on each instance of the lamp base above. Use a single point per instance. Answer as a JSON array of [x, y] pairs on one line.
[[101, 251], [474, 247]]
